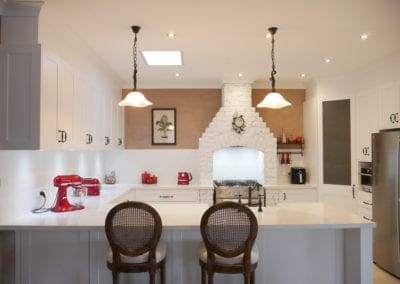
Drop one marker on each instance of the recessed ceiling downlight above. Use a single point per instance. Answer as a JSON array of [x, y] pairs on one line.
[[162, 58], [364, 36]]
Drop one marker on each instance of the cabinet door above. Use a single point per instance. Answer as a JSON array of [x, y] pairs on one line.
[[366, 123], [48, 103], [120, 126], [82, 113], [107, 120], [168, 196], [53, 257], [98, 104], [19, 96], [65, 105], [390, 106], [57, 103]]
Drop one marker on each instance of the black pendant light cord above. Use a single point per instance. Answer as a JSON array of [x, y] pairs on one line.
[[135, 29], [273, 30]]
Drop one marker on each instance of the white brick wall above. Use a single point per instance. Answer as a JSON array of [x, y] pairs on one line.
[[219, 134]]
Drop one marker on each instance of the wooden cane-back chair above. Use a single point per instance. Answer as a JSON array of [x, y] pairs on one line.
[[229, 231], [133, 230]]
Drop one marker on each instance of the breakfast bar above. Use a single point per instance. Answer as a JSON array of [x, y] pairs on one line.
[[298, 243]]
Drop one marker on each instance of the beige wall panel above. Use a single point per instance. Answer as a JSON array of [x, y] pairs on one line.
[[289, 118], [195, 109]]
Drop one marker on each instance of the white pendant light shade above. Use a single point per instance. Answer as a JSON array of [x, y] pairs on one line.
[[135, 99], [274, 100]]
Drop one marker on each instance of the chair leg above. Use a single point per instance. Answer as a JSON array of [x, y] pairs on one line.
[[115, 276], [162, 270], [152, 274], [253, 277], [210, 277], [247, 277], [203, 275]]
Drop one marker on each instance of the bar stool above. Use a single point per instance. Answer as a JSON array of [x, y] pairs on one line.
[[229, 231], [133, 230]]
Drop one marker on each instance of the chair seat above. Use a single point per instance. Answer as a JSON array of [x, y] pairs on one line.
[[228, 260], [161, 252]]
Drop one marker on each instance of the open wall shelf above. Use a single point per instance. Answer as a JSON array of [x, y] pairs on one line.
[[292, 148]]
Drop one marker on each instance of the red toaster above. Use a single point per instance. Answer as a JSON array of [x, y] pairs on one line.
[[92, 185]]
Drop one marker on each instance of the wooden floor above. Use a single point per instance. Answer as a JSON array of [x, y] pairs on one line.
[[382, 277]]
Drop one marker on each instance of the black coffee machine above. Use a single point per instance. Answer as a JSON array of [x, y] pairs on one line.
[[297, 175]]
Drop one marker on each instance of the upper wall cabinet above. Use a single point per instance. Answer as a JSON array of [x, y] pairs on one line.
[[75, 114], [366, 123], [57, 104], [46, 104], [390, 106], [19, 96]]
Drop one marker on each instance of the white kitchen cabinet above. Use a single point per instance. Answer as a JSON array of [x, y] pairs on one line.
[[291, 195], [75, 114], [364, 204], [120, 126], [390, 106], [168, 194], [45, 104], [19, 96], [57, 102], [53, 257], [367, 118], [84, 125]]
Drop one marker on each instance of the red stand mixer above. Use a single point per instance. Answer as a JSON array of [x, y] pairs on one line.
[[63, 182]]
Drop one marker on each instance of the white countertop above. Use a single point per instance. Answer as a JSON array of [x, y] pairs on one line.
[[291, 186], [187, 216], [196, 186]]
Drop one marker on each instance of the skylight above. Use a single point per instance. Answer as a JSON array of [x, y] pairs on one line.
[[162, 58]]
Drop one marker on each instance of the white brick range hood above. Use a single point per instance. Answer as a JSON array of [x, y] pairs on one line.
[[236, 100]]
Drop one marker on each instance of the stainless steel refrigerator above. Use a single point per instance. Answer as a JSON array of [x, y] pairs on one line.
[[385, 200]]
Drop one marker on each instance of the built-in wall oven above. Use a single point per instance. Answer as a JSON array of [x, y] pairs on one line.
[[366, 178]]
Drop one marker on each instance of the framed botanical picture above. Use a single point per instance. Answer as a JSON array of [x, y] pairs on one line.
[[163, 124]]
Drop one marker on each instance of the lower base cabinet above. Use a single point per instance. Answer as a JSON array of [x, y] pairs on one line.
[[364, 204], [291, 195], [78, 256]]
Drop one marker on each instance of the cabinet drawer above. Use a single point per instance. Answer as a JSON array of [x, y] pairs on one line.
[[365, 209], [365, 196], [167, 196]]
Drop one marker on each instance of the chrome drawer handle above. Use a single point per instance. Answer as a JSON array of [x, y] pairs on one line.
[[367, 203], [166, 196]]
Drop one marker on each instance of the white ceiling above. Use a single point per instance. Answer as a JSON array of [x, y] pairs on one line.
[[221, 38]]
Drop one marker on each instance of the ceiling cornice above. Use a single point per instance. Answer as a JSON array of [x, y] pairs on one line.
[[21, 8]]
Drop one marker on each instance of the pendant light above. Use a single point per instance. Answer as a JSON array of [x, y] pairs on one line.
[[135, 98], [273, 99]]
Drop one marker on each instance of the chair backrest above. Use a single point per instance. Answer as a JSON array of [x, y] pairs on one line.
[[133, 228], [229, 229]]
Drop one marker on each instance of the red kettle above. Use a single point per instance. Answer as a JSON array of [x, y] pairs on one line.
[[184, 178]]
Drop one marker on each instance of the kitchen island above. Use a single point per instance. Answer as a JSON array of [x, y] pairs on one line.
[[298, 243]]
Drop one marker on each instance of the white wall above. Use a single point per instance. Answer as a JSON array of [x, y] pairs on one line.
[[344, 86], [24, 173]]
